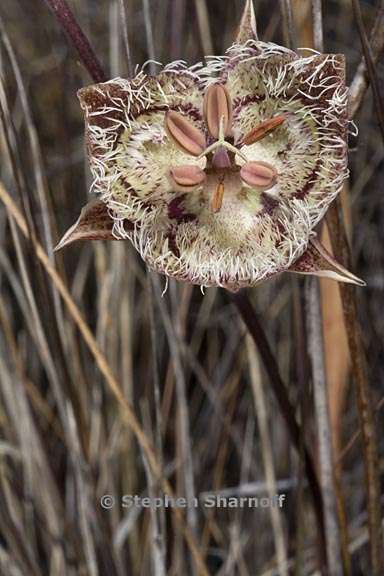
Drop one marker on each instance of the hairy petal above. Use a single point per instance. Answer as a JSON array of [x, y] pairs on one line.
[[247, 29], [250, 235], [317, 261], [94, 223]]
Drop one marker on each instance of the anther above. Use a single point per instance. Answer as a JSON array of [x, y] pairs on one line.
[[259, 174], [218, 106], [263, 129], [217, 199], [183, 133], [188, 175]]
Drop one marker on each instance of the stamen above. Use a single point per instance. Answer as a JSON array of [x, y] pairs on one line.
[[218, 105], [217, 199], [259, 174], [184, 134], [188, 175], [263, 129]]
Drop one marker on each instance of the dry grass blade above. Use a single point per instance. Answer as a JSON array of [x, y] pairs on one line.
[[204, 28], [127, 411], [369, 60], [359, 83], [288, 23], [124, 25], [250, 319], [270, 476], [317, 18], [363, 393], [316, 350]]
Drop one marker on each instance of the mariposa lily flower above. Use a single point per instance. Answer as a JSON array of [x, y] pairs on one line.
[[219, 173]]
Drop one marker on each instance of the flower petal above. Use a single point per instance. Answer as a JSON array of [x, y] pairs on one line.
[[254, 235], [308, 149], [94, 223], [317, 261], [247, 29]]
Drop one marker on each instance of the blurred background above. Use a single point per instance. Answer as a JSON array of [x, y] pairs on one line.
[[184, 362]]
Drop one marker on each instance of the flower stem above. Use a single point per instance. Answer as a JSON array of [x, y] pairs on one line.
[[77, 38]]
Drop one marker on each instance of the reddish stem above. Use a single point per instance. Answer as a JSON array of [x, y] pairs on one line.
[[77, 37]]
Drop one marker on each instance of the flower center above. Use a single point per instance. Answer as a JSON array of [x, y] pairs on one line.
[[220, 151]]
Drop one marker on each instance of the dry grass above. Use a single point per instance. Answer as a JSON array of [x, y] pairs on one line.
[[108, 388]]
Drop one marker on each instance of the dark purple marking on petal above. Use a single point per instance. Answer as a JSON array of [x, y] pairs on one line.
[[240, 102], [269, 203], [116, 101], [176, 211], [310, 182], [128, 187], [171, 236], [190, 110]]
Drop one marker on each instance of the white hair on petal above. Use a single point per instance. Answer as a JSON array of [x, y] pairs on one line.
[[130, 157]]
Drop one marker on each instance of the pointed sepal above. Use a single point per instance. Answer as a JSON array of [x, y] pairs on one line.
[[247, 29], [317, 261], [94, 223]]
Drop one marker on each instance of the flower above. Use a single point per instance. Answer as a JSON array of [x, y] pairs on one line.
[[219, 173]]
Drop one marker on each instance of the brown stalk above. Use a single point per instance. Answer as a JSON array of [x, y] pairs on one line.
[[364, 402], [250, 319], [128, 413], [348, 297], [336, 533], [324, 439], [288, 23], [369, 60], [77, 38], [360, 82]]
